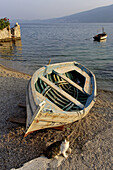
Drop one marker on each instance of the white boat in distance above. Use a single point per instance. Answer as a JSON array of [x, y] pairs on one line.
[[59, 94], [101, 36]]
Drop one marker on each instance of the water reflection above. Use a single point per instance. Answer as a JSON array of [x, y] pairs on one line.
[[10, 49]]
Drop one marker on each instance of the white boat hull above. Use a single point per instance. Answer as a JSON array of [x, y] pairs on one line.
[[45, 110]]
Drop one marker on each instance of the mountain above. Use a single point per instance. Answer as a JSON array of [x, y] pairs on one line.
[[24, 21], [97, 15], [101, 14]]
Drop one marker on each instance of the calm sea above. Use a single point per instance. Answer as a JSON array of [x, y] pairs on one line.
[[61, 43]]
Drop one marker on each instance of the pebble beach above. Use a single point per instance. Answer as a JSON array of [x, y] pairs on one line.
[[91, 141]]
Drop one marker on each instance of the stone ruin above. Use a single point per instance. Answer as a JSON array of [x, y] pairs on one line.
[[9, 34]]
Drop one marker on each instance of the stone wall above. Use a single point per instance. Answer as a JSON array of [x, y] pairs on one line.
[[15, 31], [8, 34], [5, 34]]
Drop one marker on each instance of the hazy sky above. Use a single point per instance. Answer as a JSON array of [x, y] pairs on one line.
[[44, 9]]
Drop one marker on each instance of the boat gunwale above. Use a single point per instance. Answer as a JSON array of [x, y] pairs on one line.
[[36, 93]]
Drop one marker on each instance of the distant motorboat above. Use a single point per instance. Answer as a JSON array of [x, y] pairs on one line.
[[101, 36]]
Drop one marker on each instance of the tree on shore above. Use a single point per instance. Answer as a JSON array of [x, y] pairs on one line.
[[4, 22]]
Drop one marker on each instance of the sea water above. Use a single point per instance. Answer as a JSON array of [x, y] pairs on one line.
[[62, 43]]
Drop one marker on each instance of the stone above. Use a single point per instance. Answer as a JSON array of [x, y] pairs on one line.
[[41, 163], [8, 34]]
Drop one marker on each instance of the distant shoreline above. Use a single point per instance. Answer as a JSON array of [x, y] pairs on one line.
[[97, 15]]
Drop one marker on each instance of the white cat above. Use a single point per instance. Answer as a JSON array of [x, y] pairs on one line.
[[58, 148], [64, 147]]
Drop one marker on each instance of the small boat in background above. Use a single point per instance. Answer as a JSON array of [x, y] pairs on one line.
[[59, 94], [101, 36]]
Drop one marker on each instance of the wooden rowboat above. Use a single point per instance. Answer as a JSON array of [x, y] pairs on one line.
[[59, 94]]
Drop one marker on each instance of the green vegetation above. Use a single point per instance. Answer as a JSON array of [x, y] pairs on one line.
[[4, 22]]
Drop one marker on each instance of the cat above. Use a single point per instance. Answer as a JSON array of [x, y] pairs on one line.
[[57, 148]]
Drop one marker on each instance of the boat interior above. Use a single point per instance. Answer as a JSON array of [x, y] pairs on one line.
[[64, 90]]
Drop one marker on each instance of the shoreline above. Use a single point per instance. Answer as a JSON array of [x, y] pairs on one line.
[[91, 142], [9, 72]]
